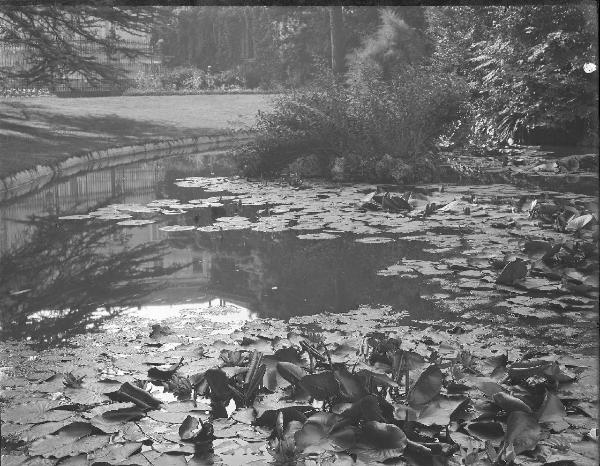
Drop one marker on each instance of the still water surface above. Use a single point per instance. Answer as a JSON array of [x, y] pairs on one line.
[[61, 277]]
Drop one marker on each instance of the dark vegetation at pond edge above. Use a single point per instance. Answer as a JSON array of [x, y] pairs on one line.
[[463, 77]]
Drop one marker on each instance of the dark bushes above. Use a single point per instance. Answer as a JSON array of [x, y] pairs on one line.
[[382, 131], [382, 123]]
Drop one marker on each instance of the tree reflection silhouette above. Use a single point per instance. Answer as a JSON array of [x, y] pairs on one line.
[[70, 269]]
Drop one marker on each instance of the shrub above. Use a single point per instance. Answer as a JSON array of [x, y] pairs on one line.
[[386, 130]]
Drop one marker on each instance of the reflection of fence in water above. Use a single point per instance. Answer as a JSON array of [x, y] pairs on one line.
[[134, 183], [138, 183], [79, 194], [14, 57]]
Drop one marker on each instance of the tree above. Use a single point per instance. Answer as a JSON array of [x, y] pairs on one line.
[[336, 25], [67, 38], [526, 67]]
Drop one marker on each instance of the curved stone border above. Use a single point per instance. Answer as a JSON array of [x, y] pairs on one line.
[[27, 181]]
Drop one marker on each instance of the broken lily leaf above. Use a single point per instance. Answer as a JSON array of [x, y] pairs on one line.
[[522, 432], [427, 387]]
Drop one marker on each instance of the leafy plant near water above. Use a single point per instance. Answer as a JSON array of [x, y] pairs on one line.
[[526, 63], [384, 131]]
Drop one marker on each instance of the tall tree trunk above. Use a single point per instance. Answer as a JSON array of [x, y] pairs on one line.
[[336, 25]]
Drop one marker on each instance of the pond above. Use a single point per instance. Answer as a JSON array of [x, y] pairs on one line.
[[162, 237]]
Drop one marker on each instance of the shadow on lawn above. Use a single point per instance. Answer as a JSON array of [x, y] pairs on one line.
[[30, 135]]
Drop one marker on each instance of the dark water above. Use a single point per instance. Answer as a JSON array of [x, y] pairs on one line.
[[63, 272]]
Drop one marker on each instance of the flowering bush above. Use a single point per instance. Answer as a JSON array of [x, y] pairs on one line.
[[189, 79], [24, 92]]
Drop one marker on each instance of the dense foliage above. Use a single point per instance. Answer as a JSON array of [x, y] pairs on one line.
[[384, 130], [381, 123], [273, 45], [476, 75], [526, 65], [66, 38]]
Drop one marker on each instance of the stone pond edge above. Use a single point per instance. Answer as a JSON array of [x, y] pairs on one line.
[[26, 181]]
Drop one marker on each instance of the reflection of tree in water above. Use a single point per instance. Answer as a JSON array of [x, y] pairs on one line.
[[73, 268], [283, 276]]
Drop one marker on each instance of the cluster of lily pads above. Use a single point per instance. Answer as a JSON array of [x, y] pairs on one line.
[[356, 389]]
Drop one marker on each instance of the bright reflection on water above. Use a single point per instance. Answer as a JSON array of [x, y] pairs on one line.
[[207, 310]]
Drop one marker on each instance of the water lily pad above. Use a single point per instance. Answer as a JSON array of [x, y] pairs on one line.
[[135, 223], [317, 236], [75, 217], [374, 240], [170, 228]]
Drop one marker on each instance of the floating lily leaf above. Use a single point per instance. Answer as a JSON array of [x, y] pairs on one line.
[[135, 223], [510, 403], [552, 409], [537, 248], [288, 413], [72, 381], [513, 272], [492, 431], [394, 202], [321, 386], [325, 432], [427, 387], [379, 379], [522, 431], [379, 442], [288, 354], [82, 396], [367, 408], [171, 228], [451, 206], [116, 453], [244, 415], [129, 392], [524, 369], [69, 441], [189, 428], [317, 236], [489, 387], [291, 372], [111, 421], [578, 222], [35, 412], [439, 411], [154, 373], [160, 331], [29, 433], [374, 240], [75, 217], [352, 387]]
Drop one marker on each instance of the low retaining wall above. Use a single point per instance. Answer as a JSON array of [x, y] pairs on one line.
[[27, 181]]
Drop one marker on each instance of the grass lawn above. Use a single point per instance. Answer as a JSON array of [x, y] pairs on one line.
[[44, 130]]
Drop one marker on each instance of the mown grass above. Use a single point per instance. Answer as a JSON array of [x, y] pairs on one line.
[[44, 130]]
